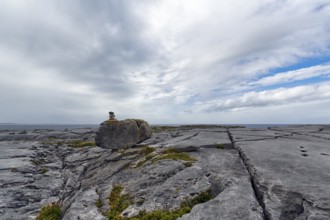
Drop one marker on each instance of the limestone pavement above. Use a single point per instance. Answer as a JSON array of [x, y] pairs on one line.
[[274, 173]]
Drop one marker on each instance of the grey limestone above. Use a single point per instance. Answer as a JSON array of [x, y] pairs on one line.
[[290, 173], [275, 173], [113, 134]]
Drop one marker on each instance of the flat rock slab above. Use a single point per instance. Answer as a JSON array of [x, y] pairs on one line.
[[290, 172], [241, 135], [15, 155], [24, 188], [227, 174], [312, 130], [191, 139]]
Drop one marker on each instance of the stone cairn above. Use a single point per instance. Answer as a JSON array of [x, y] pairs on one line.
[[112, 116]]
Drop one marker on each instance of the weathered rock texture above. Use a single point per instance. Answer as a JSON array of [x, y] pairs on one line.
[[272, 174], [114, 134]]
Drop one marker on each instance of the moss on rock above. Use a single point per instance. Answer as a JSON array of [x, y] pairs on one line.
[[50, 212], [81, 143]]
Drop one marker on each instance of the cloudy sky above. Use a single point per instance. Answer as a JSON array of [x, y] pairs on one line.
[[166, 61]]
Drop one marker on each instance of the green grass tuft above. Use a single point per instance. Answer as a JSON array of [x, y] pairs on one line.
[[173, 154], [118, 203], [50, 212], [99, 203], [169, 150], [220, 146], [38, 161], [185, 207], [80, 144], [147, 152], [168, 153], [201, 198], [59, 143], [188, 164], [43, 170]]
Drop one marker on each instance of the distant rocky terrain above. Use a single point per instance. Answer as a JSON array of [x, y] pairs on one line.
[[196, 172]]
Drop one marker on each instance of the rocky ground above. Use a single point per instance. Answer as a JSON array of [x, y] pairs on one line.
[[275, 173]]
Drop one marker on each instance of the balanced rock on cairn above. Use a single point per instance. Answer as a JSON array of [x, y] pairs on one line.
[[114, 134]]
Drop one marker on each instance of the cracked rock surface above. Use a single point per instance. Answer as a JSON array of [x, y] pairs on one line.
[[275, 173], [290, 170]]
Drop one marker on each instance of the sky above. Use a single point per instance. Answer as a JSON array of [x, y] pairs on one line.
[[165, 61]]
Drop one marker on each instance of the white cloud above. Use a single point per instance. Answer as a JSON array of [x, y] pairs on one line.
[[281, 96], [290, 76], [222, 47]]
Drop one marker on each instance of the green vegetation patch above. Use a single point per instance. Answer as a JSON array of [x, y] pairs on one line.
[[220, 146], [99, 203], [173, 154], [188, 164], [168, 153], [185, 208], [43, 170], [59, 143], [80, 144], [147, 150], [38, 161], [118, 203], [52, 141], [50, 212]]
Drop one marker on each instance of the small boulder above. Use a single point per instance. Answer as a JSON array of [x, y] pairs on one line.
[[114, 134]]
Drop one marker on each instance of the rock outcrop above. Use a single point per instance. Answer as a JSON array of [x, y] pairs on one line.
[[114, 134], [272, 174]]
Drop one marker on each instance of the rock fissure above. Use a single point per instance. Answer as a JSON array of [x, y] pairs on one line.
[[302, 134], [187, 138], [310, 203], [316, 136], [254, 182]]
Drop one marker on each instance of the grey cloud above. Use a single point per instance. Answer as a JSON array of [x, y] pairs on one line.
[[70, 52], [24, 105]]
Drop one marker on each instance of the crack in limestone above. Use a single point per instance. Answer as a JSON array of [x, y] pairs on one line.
[[254, 182], [194, 135], [311, 204], [302, 134], [72, 196]]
